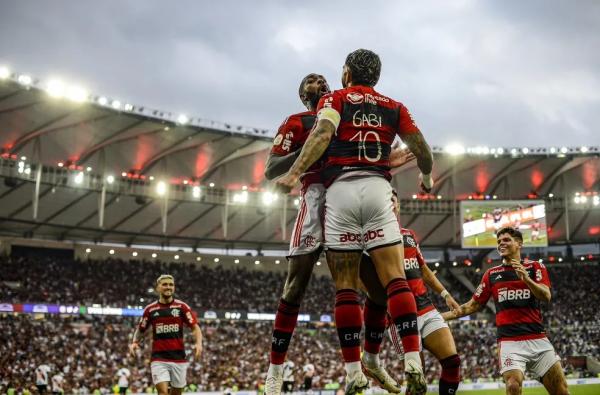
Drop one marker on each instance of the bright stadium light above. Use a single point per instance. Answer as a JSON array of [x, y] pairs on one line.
[[244, 188], [4, 72], [485, 150], [577, 199], [110, 179], [25, 80], [257, 262], [564, 150], [455, 149], [437, 264], [583, 199], [88, 169], [454, 263], [513, 151], [176, 257], [236, 261], [88, 250], [134, 253], [111, 252], [500, 151], [584, 150], [212, 185], [182, 119], [552, 150], [196, 192], [268, 198], [525, 150], [241, 197], [154, 255], [128, 107], [56, 88], [216, 260], [296, 202], [550, 195], [79, 178], [596, 200], [115, 104], [77, 94], [198, 258], [102, 101], [318, 263], [161, 188], [277, 261]]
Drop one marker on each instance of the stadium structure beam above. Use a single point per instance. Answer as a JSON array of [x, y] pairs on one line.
[[9, 95], [127, 217], [254, 225], [214, 229], [569, 164], [173, 148], [501, 177], [435, 228], [26, 205], [288, 224], [87, 218], [580, 223], [11, 190], [62, 210], [233, 154], [153, 223], [193, 221], [19, 107], [41, 130]]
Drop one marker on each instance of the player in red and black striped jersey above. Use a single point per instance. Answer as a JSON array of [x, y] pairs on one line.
[[517, 287], [167, 318]]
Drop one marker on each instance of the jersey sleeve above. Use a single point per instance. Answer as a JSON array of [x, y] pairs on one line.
[[144, 321], [285, 140], [189, 316], [420, 258], [484, 290], [406, 123], [330, 107], [541, 274]]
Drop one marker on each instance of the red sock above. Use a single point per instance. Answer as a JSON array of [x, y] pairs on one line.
[[450, 375], [285, 323], [348, 320], [375, 317], [403, 309]]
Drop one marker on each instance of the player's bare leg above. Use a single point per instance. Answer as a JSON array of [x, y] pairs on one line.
[[299, 272], [344, 267], [441, 344], [513, 379], [554, 381], [162, 388], [389, 265], [176, 391]]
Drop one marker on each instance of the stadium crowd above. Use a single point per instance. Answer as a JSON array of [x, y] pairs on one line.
[[89, 350]]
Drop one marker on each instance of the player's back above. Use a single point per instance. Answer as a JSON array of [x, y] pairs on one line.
[[369, 123]]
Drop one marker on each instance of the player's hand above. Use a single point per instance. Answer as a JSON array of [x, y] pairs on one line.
[[133, 347], [452, 304], [286, 183], [521, 272], [426, 182], [197, 351], [400, 156], [448, 315]]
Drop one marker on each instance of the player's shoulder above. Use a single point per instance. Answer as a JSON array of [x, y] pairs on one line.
[[296, 119], [179, 303], [407, 232], [494, 269], [152, 306]]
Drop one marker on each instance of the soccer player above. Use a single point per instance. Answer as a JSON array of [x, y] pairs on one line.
[[355, 128], [435, 333], [167, 316], [41, 378], [517, 287], [306, 239]]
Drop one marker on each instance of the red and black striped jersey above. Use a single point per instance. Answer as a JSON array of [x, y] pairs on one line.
[[518, 315], [369, 123], [413, 261], [167, 321], [291, 136]]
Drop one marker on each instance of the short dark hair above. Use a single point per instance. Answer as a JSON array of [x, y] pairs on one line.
[[514, 233], [302, 83], [365, 66]]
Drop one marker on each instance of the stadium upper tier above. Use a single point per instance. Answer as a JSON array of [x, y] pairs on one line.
[[86, 167]]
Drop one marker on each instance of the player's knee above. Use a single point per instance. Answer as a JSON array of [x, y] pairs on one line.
[[293, 292], [561, 389], [451, 367], [513, 386]]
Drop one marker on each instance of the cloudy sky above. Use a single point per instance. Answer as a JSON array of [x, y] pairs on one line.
[[476, 72]]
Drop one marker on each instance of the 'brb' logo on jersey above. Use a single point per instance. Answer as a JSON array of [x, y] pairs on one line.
[[411, 263], [505, 294], [166, 328]]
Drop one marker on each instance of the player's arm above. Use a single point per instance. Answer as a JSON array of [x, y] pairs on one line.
[[432, 282], [468, 308], [317, 142], [197, 333], [418, 146], [138, 334], [278, 165]]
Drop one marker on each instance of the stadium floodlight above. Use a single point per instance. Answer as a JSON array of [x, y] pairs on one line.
[[437, 264], [161, 188], [277, 261], [550, 195], [583, 199], [552, 150], [102, 101], [176, 257], [88, 169], [23, 158], [111, 252], [88, 250], [296, 202], [182, 119], [60, 164], [124, 174], [513, 151], [24, 80], [27, 170], [560, 259], [154, 255], [185, 182], [216, 260], [454, 263], [257, 262], [268, 198], [21, 164], [128, 107], [77, 94], [198, 258], [236, 261], [134, 253], [212, 185], [110, 179], [455, 149], [582, 258], [115, 104], [485, 150], [151, 178], [577, 199], [196, 192], [79, 178], [56, 88], [414, 196], [241, 197], [584, 150], [500, 151], [525, 150], [596, 200], [244, 188], [318, 263], [4, 72], [564, 150], [439, 197]]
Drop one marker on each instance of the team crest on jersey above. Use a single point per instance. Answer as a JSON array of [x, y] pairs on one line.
[[278, 139], [355, 97], [175, 312]]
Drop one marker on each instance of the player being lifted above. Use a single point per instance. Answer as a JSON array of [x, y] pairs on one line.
[[306, 239], [356, 127], [167, 316], [435, 333], [517, 287]]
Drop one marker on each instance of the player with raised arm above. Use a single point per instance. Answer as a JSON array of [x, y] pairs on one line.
[[517, 287], [355, 128], [435, 333], [167, 317], [307, 236]]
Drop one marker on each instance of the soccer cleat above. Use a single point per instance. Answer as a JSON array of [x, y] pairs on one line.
[[415, 379], [273, 384], [356, 383], [382, 378]]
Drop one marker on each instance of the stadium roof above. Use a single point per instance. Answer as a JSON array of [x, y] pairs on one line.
[[154, 177]]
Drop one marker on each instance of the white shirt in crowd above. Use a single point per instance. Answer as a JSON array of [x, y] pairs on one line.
[[41, 374], [309, 370], [288, 371], [123, 375], [57, 382]]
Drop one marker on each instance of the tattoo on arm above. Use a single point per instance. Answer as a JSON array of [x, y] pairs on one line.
[[418, 146], [278, 165], [468, 308], [314, 147]]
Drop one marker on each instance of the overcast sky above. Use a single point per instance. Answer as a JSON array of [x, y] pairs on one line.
[[476, 72]]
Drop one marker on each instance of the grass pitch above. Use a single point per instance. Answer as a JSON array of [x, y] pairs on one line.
[[589, 389]]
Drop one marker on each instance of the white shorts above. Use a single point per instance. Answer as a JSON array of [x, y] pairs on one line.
[[536, 356], [174, 372], [430, 322], [359, 214], [307, 235]]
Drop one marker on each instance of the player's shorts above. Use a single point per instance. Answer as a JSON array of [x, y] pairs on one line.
[[174, 372], [307, 235], [536, 356], [123, 390], [359, 214], [42, 388], [288, 387], [430, 322], [307, 383]]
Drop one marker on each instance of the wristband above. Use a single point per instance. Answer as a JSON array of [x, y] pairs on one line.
[[427, 180], [444, 294]]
